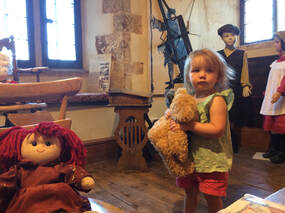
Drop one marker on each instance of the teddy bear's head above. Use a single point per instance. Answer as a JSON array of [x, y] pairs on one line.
[[183, 107]]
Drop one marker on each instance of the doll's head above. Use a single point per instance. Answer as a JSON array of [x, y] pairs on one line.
[[45, 143], [279, 41], [211, 62], [4, 67], [228, 33]]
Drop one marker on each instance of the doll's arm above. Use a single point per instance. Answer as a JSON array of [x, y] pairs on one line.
[[280, 91], [78, 177], [87, 183], [244, 80], [246, 91], [281, 88]]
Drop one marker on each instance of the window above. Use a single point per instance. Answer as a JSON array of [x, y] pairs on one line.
[[59, 31], [260, 19]]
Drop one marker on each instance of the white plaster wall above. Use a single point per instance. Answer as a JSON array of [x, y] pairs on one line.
[[90, 122]]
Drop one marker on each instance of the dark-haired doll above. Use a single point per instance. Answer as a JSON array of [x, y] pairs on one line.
[[273, 105], [43, 169], [237, 60]]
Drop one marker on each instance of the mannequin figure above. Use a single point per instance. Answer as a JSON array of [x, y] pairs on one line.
[[237, 60], [273, 105]]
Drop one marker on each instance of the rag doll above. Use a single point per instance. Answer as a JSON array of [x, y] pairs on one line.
[[43, 169]]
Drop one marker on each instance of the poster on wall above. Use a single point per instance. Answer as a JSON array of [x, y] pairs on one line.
[[99, 73]]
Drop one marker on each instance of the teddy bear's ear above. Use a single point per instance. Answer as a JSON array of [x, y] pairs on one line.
[[181, 91]]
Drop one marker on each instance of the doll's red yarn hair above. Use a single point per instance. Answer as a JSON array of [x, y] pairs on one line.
[[72, 148]]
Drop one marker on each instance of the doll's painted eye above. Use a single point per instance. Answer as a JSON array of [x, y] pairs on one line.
[[48, 143], [34, 143]]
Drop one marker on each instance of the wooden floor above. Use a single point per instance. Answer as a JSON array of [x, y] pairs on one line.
[[154, 191]]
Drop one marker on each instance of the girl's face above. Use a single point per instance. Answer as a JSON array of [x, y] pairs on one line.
[[202, 76], [277, 44], [229, 39], [40, 149]]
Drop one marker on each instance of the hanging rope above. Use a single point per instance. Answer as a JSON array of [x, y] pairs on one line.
[[151, 38], [190, 13]]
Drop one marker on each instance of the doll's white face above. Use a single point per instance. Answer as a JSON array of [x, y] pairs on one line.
[[40, 149], [229, 39]]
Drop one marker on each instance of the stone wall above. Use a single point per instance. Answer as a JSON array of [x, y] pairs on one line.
[[118, 43]]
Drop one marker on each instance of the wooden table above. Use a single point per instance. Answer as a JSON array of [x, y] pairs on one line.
[[277, 197]]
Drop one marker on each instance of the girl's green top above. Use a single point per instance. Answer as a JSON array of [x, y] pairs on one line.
[[212, 155]]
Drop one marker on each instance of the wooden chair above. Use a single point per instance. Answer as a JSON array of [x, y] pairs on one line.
[[66, 123], [9, 44], [16, 100]]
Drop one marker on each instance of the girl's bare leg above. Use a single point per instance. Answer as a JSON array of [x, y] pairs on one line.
[[214, 203], [191, 199]]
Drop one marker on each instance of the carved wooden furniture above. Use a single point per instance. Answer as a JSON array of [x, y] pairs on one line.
[[9, 43], [16, 100], [131, 131]]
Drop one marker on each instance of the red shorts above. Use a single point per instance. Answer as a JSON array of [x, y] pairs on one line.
[[214, 183]]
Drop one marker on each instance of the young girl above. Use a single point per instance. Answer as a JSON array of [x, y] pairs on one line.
[[206, 78], [273, 105]]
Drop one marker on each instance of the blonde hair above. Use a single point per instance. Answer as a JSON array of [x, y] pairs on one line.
[[215, 61]]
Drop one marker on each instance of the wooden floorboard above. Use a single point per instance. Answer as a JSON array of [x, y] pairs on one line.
[[154, 191]]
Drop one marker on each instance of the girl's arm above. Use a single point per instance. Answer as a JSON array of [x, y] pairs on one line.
[[217, 120]]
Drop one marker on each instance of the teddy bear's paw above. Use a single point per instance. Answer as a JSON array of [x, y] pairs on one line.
[[176, 168]]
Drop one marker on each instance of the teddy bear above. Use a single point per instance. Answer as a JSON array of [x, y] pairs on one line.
[[172, 146], [43, 169]]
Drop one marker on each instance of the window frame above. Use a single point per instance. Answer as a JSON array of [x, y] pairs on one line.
[[30, 37], [77, 64], [242, 24]]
